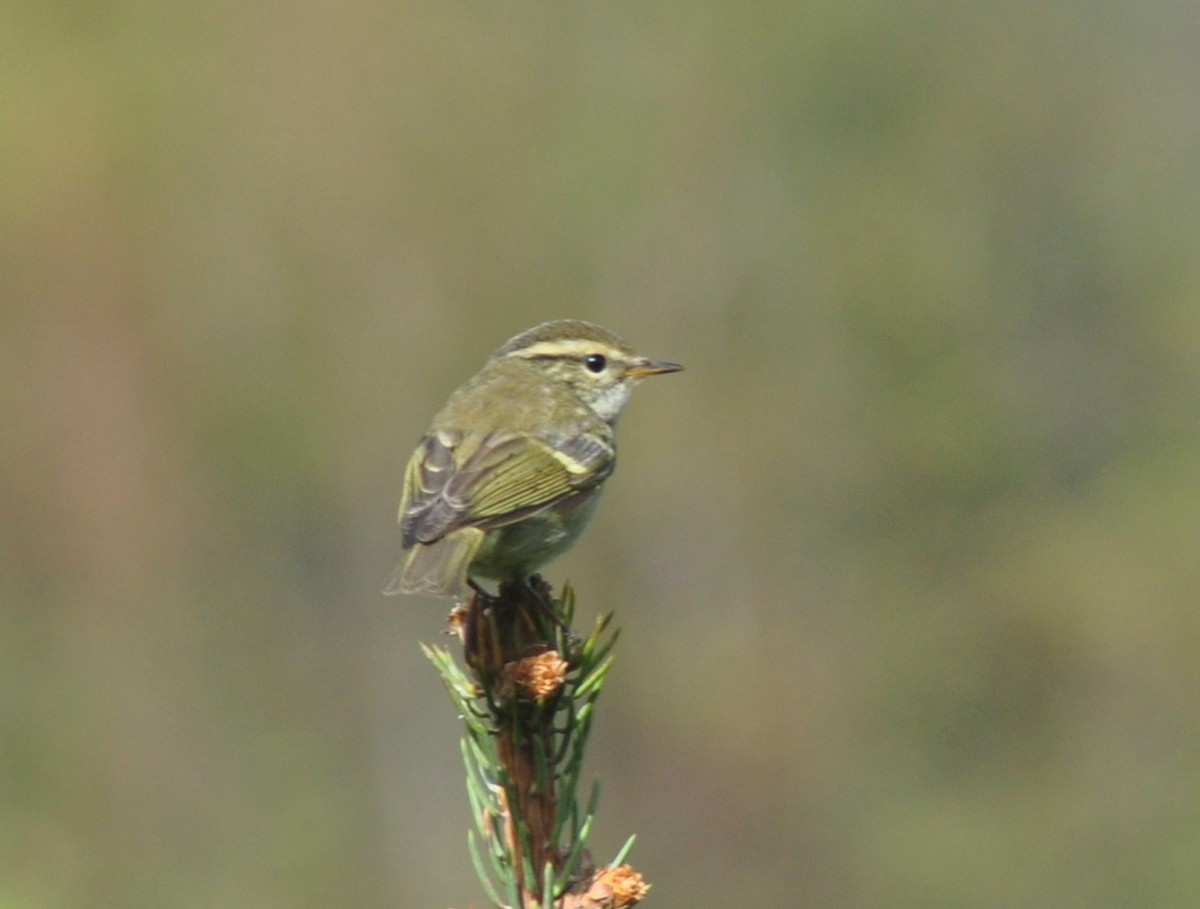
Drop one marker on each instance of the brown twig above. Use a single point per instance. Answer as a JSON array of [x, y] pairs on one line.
[[531, 683]]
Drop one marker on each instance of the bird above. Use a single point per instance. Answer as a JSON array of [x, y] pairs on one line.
[[510, 471]]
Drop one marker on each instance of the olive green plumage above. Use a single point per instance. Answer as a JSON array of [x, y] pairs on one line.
[[510, 471]]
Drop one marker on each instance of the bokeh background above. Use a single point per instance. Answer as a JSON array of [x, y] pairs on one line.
[[906, 562]]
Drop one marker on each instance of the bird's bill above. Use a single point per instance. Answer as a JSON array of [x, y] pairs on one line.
[[642, 368]]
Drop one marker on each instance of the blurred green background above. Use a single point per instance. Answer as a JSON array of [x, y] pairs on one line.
[[906, 562]]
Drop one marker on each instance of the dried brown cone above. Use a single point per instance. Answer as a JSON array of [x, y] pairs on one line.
[[456, 622], [537, 677], [609, 888]]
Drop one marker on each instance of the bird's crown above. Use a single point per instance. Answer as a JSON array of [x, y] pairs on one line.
[[596, 364], [563, 338]]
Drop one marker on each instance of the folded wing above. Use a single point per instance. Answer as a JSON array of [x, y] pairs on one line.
[[454, 480]]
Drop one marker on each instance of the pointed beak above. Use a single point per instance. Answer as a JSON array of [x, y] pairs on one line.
[[639, 369]]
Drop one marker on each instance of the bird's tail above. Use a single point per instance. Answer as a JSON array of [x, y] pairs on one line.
[[438, 568]]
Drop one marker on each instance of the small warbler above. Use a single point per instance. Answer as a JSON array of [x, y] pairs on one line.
[[510, 472]]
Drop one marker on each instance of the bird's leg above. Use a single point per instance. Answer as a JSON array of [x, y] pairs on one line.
[[480, 593], [539, 593]]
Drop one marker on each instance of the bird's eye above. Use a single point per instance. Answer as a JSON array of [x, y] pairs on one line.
[[595, 362]]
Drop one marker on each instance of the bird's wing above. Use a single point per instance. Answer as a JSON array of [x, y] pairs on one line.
[[498, 479]]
